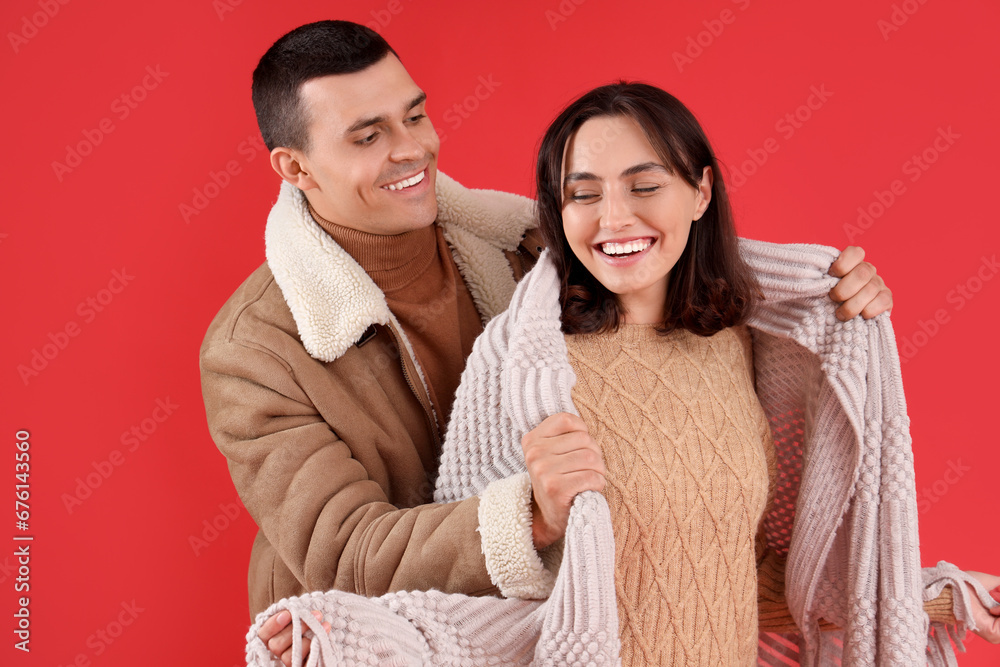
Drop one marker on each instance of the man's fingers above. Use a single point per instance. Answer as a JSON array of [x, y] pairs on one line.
[[567, 483], [848, 259], [857, 303], [286, 657], [558, 424], [280, 643], [880, 304], [586, 480], [987, 622], [853, 281], [272, 625], [556, 445], [860, 289], [547, 461]]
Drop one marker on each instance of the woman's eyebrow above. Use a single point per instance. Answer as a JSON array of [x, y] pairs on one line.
[[576, 176], [645, 166]]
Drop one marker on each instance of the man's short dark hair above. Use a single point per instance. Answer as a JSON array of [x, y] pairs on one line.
[[310, 51]]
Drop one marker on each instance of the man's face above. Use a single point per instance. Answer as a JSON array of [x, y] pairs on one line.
[[373, 152]]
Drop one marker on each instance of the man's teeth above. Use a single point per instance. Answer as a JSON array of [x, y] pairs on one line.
[[407, 182], [625, 248]]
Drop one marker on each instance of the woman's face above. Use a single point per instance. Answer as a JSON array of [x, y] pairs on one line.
[[625, 216]]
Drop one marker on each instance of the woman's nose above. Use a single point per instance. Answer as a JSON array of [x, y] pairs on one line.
[[617, 213]]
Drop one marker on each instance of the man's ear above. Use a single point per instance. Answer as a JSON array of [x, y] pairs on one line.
[[704, 193], [291, 165]]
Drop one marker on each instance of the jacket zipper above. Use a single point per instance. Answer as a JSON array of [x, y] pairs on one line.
[[409, 381]]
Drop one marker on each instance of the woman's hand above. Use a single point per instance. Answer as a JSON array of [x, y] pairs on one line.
[[276, 633], [987, 620], [861, 290]]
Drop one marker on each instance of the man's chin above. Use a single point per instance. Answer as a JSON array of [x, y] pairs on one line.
[[408, 221], [425, 216]]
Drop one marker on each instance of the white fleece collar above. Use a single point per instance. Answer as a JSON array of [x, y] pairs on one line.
[[333, 300]]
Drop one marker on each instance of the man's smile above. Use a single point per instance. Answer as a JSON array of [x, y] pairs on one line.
[[407, 182]]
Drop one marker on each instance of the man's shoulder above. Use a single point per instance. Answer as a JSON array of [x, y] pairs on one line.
[[255, 311]]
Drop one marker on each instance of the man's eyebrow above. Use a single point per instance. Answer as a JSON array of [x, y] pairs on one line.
[[417, 101], [368, 121], [577, 176]]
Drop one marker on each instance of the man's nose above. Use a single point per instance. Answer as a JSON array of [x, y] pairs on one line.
[[406, 148]]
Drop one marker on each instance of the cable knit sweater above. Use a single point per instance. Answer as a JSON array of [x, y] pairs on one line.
[[689, 460], [844, 511]]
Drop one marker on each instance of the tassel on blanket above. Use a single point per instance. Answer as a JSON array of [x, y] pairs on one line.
[[940, 649]]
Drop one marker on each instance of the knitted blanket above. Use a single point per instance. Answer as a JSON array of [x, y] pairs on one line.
[[845, 511]]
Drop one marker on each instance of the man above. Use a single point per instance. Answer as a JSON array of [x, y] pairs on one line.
[[329, 374]]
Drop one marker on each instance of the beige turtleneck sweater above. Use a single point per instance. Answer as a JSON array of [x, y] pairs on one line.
[[426, 293]]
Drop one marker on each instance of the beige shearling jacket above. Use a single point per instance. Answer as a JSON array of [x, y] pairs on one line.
[[313, 394]]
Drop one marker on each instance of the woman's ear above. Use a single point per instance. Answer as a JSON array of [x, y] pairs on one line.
[[704, 197]]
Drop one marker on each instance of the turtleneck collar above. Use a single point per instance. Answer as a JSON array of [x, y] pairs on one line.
[[393, 262]]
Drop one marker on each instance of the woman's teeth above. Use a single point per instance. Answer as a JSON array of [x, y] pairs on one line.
[[625, 248], [406, 182]]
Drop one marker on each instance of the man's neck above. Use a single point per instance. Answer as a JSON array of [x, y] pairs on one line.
[[391, 261]]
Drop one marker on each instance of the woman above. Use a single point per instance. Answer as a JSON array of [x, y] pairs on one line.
[[640, 306]]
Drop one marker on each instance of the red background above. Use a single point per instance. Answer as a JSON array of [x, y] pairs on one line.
[[119, 209]]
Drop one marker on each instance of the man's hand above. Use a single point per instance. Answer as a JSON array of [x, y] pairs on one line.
[[987, 620], [563, 460], [276, 633], [861, 289]]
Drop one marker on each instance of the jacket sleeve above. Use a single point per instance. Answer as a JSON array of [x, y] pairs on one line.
[[315, 501]]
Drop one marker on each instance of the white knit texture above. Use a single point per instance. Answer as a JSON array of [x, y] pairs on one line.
[[845, 509]]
